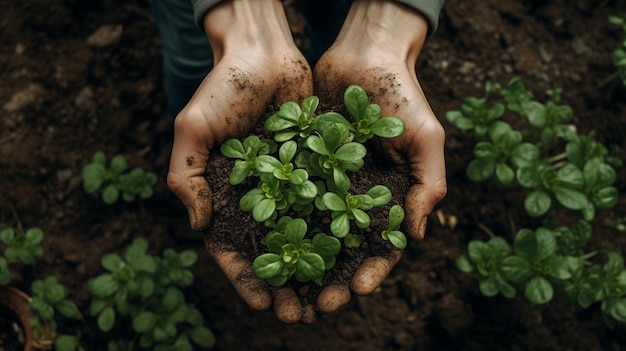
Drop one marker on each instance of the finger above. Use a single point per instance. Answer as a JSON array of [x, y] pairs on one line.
[[427, 164], [372, 272], [287, 306], [333, 297], [186, 173], [238, 270], [309, 316]]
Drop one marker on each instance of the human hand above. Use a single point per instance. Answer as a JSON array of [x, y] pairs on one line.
[[377, 49], [256, 64]]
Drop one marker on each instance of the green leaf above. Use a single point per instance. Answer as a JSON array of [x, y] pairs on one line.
[[326, 245], [489, 286], [504, 173], [388, 127], [68, 309], [480, 169], [537, 203], [103, 285], [233, 148], [267, 163], [361, 218], [119, 164], [110, 194], [310, 266], [333, 202], [267, 265], [350, 151], [397, 238], [66, 343], [515, 269], [396, 216], [380, 194], [340, 225], [572, 199], [93, 176], [202, 336], [287, 151], [534, 246], [570, 176], [355, 99], [539, 290], [251, 199], [144, 322], [106, 319], [295, 231], [464, 264]]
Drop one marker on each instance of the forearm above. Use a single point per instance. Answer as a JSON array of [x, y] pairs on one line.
[[386, 28], [247, 25]]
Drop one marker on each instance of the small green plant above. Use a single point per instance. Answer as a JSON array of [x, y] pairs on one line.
[[576, 181], [117, 180], [144, 292], [619, 54], [293, 255], [48, 295], [316, 154]]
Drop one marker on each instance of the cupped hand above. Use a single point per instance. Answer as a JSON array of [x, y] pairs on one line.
[[256, 65], [377, 49]]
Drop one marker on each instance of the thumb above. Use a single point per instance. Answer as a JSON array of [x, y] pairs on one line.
[[185, 178], [427, 164]]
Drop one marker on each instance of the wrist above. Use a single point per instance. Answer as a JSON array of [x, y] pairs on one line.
[[384, 28], [244, 25]]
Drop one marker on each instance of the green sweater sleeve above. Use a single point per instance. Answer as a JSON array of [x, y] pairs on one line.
[[429, 8]]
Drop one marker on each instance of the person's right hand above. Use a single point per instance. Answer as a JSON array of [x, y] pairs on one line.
[[256, 64]]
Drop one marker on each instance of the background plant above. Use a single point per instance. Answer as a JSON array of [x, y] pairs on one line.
[[315, 155], [116, 179], [48, 295], [564, 172], [144, 292]]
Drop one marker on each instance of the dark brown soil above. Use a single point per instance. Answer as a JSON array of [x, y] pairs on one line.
[[63, 98]]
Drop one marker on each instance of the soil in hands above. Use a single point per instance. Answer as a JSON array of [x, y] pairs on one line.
[[236, 230]]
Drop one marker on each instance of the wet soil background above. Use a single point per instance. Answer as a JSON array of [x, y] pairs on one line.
[[80, 76]]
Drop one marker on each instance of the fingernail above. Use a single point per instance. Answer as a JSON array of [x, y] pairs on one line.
[[422, 229], [192, 216]]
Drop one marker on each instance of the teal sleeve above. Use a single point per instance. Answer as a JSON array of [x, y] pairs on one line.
[[429, 8], [200, 7]]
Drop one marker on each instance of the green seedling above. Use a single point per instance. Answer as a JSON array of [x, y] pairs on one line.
[[577, 182], [316, 154], [48, 299], [144, 291], [619, 54], [395, 237], [22, 247], [368, 120], [293, 255], [353, 208], [485, 259], [245, 154], [117, 180]]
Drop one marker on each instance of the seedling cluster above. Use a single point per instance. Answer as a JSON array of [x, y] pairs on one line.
[[48, 294], [144, 291], [116, 179], [619, 54], [304, 168], [563, 172]]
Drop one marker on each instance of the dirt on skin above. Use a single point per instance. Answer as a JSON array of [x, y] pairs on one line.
[[65, 96]]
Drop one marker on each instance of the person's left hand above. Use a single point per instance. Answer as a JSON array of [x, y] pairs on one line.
[[377, 49]]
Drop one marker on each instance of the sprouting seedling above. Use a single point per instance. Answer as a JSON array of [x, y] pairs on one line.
[[368, 117], [116, 179], [245, 154], [293, 255], [353, 208], [396, 237], [23, 247], [293, 119]]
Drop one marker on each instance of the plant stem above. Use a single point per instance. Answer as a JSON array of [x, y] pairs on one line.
[[588, 255], [608, 79], [486, 230], [557, 157]]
